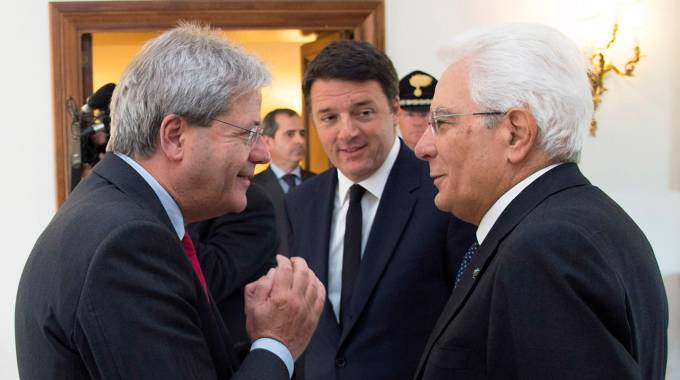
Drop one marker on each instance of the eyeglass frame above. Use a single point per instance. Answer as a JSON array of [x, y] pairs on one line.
[[252, 133], [433, 121]]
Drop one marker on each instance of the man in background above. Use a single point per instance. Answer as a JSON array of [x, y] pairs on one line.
[[561, 283], [416, 90], [113, 287], [284, 134], [368, 227]]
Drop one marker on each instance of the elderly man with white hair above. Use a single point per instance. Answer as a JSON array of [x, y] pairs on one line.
[[561, 283]]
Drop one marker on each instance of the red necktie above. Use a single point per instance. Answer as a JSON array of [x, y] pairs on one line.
[[191, 254]]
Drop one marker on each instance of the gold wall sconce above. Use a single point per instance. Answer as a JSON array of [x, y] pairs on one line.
[[602, 65]]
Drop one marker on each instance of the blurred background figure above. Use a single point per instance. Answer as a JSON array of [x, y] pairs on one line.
[[415, 96], [95, 126], [284, 134]]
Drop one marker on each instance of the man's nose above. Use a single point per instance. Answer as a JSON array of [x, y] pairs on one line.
[[425, 148], [258, 152], [347, 127]]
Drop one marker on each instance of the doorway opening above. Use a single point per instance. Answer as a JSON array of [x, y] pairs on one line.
[[73, 24]]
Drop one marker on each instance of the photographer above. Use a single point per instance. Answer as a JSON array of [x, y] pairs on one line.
[[95, 124]]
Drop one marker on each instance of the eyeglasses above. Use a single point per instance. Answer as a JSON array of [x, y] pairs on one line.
[[439, 118], [253, 133]]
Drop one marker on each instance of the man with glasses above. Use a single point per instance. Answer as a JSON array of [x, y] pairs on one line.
[[113, 288], [368, 227], [561, 283]]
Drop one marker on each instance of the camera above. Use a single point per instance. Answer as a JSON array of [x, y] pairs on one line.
[[90, 126]]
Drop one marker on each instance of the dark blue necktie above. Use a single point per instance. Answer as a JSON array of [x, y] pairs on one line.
[[469, 254], [290, 179]]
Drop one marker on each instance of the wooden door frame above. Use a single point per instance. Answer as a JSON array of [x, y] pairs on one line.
[[70, 20]]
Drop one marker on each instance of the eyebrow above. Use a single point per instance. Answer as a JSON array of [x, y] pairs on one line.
[[362, 103]]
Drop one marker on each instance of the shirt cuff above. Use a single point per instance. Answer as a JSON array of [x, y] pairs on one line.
[[277, 348]]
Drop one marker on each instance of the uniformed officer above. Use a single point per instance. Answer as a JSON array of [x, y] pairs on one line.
[[415, 96]]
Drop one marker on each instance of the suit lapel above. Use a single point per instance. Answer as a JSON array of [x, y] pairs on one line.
[[317, 220], [320, 208], [272, 183], [391, 218], [555, 180]]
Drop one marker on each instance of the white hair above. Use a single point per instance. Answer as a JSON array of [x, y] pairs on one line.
[[536, 67], [190, 71]]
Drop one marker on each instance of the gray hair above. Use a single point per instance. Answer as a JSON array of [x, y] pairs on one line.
[[532, 66], [190, 71], [269, 125]]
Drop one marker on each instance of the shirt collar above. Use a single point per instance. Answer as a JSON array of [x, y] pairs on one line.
[[168, 203], [278, 172], [375, 184], [502, 203]]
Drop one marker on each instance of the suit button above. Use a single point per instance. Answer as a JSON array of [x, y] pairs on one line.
[[340, 362]]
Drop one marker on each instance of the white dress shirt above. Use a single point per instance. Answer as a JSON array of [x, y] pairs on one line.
[[502, 203], [374, 185]]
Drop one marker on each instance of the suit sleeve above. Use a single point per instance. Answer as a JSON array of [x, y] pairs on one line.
[[139, 315], [559, 304]]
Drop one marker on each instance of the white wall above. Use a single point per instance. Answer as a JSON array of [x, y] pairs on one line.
[[635, 157], [27, 194]]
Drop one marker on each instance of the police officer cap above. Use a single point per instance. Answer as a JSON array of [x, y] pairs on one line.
[[416, 90]]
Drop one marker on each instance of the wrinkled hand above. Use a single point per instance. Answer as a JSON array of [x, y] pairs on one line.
[[285, 304]]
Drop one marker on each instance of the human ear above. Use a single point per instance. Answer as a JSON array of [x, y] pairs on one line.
[[172, 136], [520, 134]]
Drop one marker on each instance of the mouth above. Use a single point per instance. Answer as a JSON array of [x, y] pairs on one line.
[[352, 149], [245, 177], [436, 178]]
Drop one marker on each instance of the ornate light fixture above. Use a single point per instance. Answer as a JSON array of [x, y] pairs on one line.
[[602, 65]]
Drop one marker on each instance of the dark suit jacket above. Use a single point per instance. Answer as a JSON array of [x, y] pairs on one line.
[[567, 288], [267, 179], [405, 278], [236, 249], [108, 292]]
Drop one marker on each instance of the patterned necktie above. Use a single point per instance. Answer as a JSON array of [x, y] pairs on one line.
[[351, 252], [191, 254], [290, 179], [469, 254]]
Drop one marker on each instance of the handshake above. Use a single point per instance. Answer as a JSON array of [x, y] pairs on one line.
[[285, 304]]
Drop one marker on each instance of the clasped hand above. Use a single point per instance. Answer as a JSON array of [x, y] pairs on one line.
[[285, 304]]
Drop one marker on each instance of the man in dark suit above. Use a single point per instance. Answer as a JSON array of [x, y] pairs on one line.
[[113, 287], [284, 134], [561, 283], [368, 227]]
